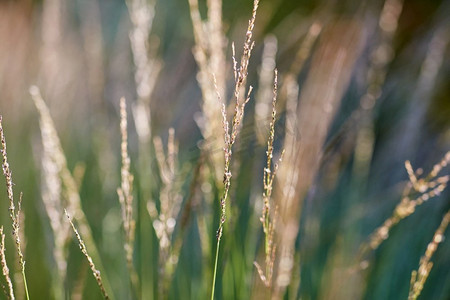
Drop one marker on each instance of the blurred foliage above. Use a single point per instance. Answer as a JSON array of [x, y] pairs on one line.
[[335, 220]]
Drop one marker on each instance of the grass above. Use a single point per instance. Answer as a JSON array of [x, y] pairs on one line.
[[197, 187], [14, 214]]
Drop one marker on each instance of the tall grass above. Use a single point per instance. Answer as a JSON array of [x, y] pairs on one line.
[[231, 133], [9, 291], [278, 169], [14, 214], [83, 249], [419, 277]]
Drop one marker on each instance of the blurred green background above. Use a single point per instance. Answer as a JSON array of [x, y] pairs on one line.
[[93, 67]]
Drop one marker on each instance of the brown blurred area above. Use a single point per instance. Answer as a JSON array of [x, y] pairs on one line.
[[16, 53]]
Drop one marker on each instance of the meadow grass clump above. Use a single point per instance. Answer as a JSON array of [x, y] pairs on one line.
[[69, 194], [13, 212]]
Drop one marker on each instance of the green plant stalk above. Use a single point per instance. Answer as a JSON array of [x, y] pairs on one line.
[[215, 269], [267, 250], [220, 230], [25, 284], [14, 215], [232, 133], [227, 183]]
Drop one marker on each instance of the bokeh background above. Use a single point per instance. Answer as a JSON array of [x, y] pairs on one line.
[[78, 52]]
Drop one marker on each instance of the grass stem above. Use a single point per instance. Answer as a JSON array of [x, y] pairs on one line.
[[215, 269]]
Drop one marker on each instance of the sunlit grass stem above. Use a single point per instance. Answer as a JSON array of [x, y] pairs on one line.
[[13, 213], [240, 76]]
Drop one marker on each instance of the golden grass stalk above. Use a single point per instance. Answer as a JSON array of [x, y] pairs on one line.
[[142, 13], [125, 194], [147, 66], [165, 220], [5, 269], [416, 192], [125, 191], [51, 191], [52, 146], [83, 249], [13, 213], [419, 277], [209, 53], [269, 217], [240, 76]]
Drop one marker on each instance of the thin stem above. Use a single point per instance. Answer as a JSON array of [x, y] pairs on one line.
[[25, 284], [232, 133], [215, 269], [13, 213]]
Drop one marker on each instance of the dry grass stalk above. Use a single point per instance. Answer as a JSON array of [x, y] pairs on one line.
[[269, 216], [419, 277], [125, 194], [230, 138], [70, 195], [83, 249], [209, 53], [148, 67], [125, 191], [5, 270], [51, 190], [142, 13], [240, 76], [416, 192], [231, 134], [164, 220], [13, 212]]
